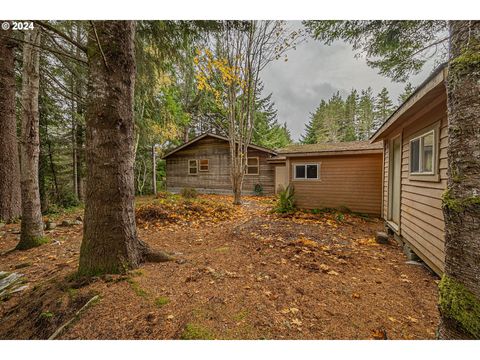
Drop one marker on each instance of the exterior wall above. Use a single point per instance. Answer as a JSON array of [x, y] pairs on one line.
[[354, 181], [421, 218], [217, 179]]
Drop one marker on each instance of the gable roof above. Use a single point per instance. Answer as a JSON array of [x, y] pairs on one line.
[[348, 147], [207, 134], [426, 90]]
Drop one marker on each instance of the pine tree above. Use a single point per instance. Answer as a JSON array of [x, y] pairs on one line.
[[383, 108], [365, 114], [350, 117], [407, 91]]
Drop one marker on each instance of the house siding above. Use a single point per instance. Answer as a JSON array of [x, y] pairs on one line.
[[354, 181], [217, 179], [422, 223]]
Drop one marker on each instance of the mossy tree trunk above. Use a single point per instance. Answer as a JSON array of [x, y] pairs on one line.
[[10, 198], [110, 242], [32, 225], [460, 287]]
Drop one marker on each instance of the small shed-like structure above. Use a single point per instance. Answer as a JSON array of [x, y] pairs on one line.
[[203, 163], [332, 175], [415, 139]]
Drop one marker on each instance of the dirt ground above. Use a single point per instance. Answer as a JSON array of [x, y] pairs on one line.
[[240, 273]]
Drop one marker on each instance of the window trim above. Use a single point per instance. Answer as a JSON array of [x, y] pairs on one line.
[[318, 165], [432, 176], [190, 167], [200, 165], [257, 166]]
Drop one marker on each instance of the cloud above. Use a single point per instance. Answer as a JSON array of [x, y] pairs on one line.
[[314, 72]]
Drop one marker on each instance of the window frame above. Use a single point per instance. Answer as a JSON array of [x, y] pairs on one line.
[[432, 176], [294, 170], [190, 167], [200, 165], [248, 166]]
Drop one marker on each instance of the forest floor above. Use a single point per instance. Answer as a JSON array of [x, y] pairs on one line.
[[241, 273]]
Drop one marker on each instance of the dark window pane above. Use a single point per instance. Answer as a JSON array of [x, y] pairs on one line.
[[252, 170], [252, 161], [193, 170], [415, 156], [427, 153], [311, 171], [300, 171]]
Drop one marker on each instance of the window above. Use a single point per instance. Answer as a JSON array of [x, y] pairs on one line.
[[306, 171], [192, 167], [252, 166], [422, 154], [203, 165]]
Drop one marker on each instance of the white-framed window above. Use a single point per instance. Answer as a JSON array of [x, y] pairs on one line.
[[422, 154], [306, 171], [253, 166], [203, 165], [192, 167]]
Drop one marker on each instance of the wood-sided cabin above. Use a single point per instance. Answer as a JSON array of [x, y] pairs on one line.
[[204, 164], [415, 140], [332, 175]]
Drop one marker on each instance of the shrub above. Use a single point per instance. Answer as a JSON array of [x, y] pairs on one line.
[[286, 200], [258, 190], [69, 200], [189, 193]]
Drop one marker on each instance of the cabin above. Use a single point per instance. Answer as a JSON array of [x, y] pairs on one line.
[[415, 140], [332, 175], [203, 163]]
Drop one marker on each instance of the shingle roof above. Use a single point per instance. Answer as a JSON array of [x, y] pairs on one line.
[[331, 147]]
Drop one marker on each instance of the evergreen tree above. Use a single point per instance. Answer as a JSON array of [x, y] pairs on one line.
[[383, 108], [407, 91], [365, 114], [350, 117]]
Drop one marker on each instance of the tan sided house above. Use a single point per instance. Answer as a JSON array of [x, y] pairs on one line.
[[415, 142], [332, 175]]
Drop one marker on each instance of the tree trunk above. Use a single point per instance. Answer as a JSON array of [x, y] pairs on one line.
[[32, 224], [110, 242], [10, 198], [154, 170], [460, 285]]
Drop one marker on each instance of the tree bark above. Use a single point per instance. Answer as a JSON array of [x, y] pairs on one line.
[[10, 198], [110, 242], [461, 202], [32, 224], [154, 170]]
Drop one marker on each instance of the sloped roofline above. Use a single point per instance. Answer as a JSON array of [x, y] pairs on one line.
[[437, 76], [204, 135]]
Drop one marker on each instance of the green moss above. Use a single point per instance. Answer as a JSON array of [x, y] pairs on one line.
[[161, 300], [31, 242], [46, 315], [458, 205], [241, 315], [137, 288], [468, 58], [196, 332], [458, 303]]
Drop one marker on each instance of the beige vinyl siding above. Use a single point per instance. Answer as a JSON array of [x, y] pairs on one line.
[[354, 181], [422, 222], [386, 166], [217, 178]]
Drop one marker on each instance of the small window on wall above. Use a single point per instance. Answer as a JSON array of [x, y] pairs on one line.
[[422, 153], [306, 172], [253, 167], [203, 165], [192, 167]]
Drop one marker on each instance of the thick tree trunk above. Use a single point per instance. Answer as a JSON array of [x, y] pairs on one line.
[[10, 198], [460, 286], [32, 224], [110, 242]]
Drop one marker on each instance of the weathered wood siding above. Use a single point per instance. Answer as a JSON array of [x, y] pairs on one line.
[[354, 181], [217, 179], [421, 218]]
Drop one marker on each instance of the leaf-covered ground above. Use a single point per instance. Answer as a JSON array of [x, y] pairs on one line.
[[241, 273]]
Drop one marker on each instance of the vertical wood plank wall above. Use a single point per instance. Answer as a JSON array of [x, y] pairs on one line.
[[217, 179]]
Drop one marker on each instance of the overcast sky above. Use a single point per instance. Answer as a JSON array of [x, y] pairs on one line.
[[314, 72]]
